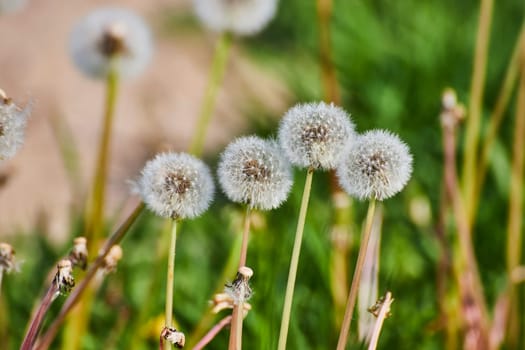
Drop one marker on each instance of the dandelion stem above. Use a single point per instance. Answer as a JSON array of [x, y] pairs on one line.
[[36, 322], [383, 313], [216, 75], [352, 296], [94, 223], [170, 279], [515, 220], [287, 308], [212, 333], [1, 278], [75, 295], [237, 313], [475, 106]]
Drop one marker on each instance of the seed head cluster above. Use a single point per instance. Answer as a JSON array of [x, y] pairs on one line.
[[13, 121], [240, 17], [377, 165], [253, 171], [176, 185], [111, 38], [313, 135]]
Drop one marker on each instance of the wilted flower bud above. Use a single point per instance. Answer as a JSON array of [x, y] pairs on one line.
[[313, 135], [8, 261], [254, 171], [111, 38], [176, 185], [112, 258], [377, 165], [241, 17], [174, 337], [79, 253], [13, 120], [64, 280], [239, 290]]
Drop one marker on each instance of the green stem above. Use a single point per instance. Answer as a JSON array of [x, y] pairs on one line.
[[237, 313], [216, 75], [287, 308], [515, 220], [94, 222], [498, 114], [352, 296], [170, 279], [475, 106]]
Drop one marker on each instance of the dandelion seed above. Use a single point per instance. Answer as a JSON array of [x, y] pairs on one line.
[[377, 165], [176, 185], [313, 135], [253, 171], [241, 17], [111, 38], [13, 120]]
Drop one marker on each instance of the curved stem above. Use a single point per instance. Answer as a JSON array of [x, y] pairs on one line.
[[352, 296], [216, 75], [75, 295], [212, 333], [170, 279], [287, 308]]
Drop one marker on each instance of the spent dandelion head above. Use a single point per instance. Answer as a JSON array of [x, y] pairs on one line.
[[173, 336], [240, 17], [254, 171], [313, 135], [111, 38], [79, 253], [64, 280], [8, 260], [239, 290], [376, 166], [176, 185], [112, 258], [13, 121]]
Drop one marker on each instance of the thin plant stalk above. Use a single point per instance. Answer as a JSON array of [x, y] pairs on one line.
[[497, 115], [214, 81], [1, 278], [75, 295], [475, 106], [383, 313], [170, 280], [95, 219], [212, 333], [515, 220], [354, 288], [290, 285], [36, 322], [235, 341]]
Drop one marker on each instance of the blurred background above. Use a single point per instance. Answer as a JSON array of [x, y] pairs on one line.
[[392, 61]]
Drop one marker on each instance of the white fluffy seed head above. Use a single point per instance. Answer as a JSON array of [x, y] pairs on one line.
[[176, 185], [111, 38], [240, 17], [377, 165], [313, 135], [13, 121], [254, 171]]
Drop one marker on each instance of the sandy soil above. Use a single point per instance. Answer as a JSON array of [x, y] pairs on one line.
[[155, 111]]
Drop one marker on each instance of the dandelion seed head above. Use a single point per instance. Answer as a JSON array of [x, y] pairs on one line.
[[314, 135], [241, 17], [253, 171], [176, 185], [239, 290], [13, 121], [111, 38], [377, 165]]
